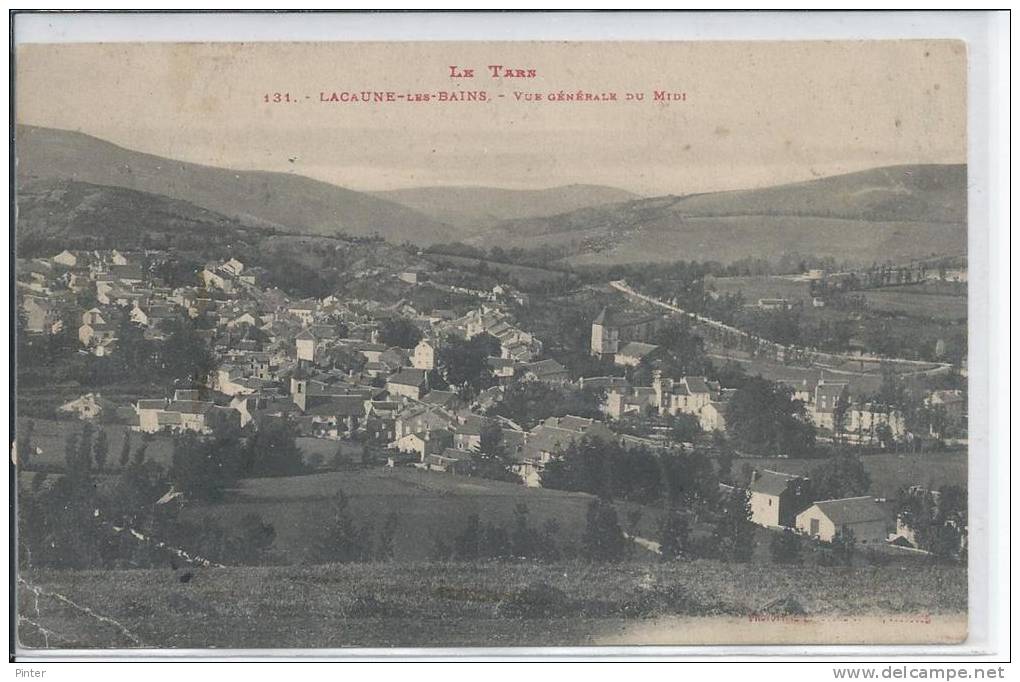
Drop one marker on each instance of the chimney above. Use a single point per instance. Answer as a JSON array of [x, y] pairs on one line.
[[754, 475]]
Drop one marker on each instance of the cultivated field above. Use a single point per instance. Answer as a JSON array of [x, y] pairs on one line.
[[492, 604]]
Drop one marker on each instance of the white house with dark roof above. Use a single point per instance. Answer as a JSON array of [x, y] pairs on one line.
[[866, 518], [776, 498]]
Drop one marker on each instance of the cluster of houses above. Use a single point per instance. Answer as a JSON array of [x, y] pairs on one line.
[[782, 501], [280, 358]]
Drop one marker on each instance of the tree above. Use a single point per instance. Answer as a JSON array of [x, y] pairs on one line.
[[842, 475], [125, 450], [674, 535], [491, 460], [765, 419], [885, 436], [203, 468], [524, 541], [603, 540], [346, 359], [530, 402], [582, 467], [101, 450], [272, 450], [185, 356], [399, 332], [938, 520], [840, 412], [684, 428], [254, 540], [681, 352], [786, 548], [465, 364], [342, 541], [733, 534], [387, 534], [691, 481], [466, 544]]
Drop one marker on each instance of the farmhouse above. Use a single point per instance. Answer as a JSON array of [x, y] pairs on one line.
[[862, 516], [776, 498]]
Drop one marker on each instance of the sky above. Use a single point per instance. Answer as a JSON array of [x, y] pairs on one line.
[[754, 113]]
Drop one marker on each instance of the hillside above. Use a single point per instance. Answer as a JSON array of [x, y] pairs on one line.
[[287, 202], [70, 214], [476, 208], [885, 213]]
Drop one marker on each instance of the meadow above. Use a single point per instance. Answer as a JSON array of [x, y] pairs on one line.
[[915, 302], [49, 437]]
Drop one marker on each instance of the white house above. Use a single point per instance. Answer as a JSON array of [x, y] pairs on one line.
[[862, 516], [775, 498], [89, 406], [424, 355]]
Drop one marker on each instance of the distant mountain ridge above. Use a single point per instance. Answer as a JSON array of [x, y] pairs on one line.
[[882, 213], [875, 215], [287, 202], [482, 207]]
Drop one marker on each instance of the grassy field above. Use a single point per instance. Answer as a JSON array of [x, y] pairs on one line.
[[888, 471], [913, 302], [493, 604], [429, 505], [50, 438]]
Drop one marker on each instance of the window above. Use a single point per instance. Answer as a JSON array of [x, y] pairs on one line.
[[814, 526]]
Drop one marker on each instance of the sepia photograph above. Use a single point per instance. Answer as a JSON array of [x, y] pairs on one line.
[[364, 344]]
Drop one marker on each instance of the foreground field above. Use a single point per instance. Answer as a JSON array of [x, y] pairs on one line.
[[491, 604]]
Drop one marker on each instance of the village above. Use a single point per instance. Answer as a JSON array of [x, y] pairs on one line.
[[422, 389]]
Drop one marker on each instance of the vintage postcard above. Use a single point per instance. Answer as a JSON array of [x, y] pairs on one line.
[[491, 344]]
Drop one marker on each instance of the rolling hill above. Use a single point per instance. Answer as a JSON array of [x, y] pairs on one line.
[[895, 212], [477, 208], [70, 214], [287, 202]]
